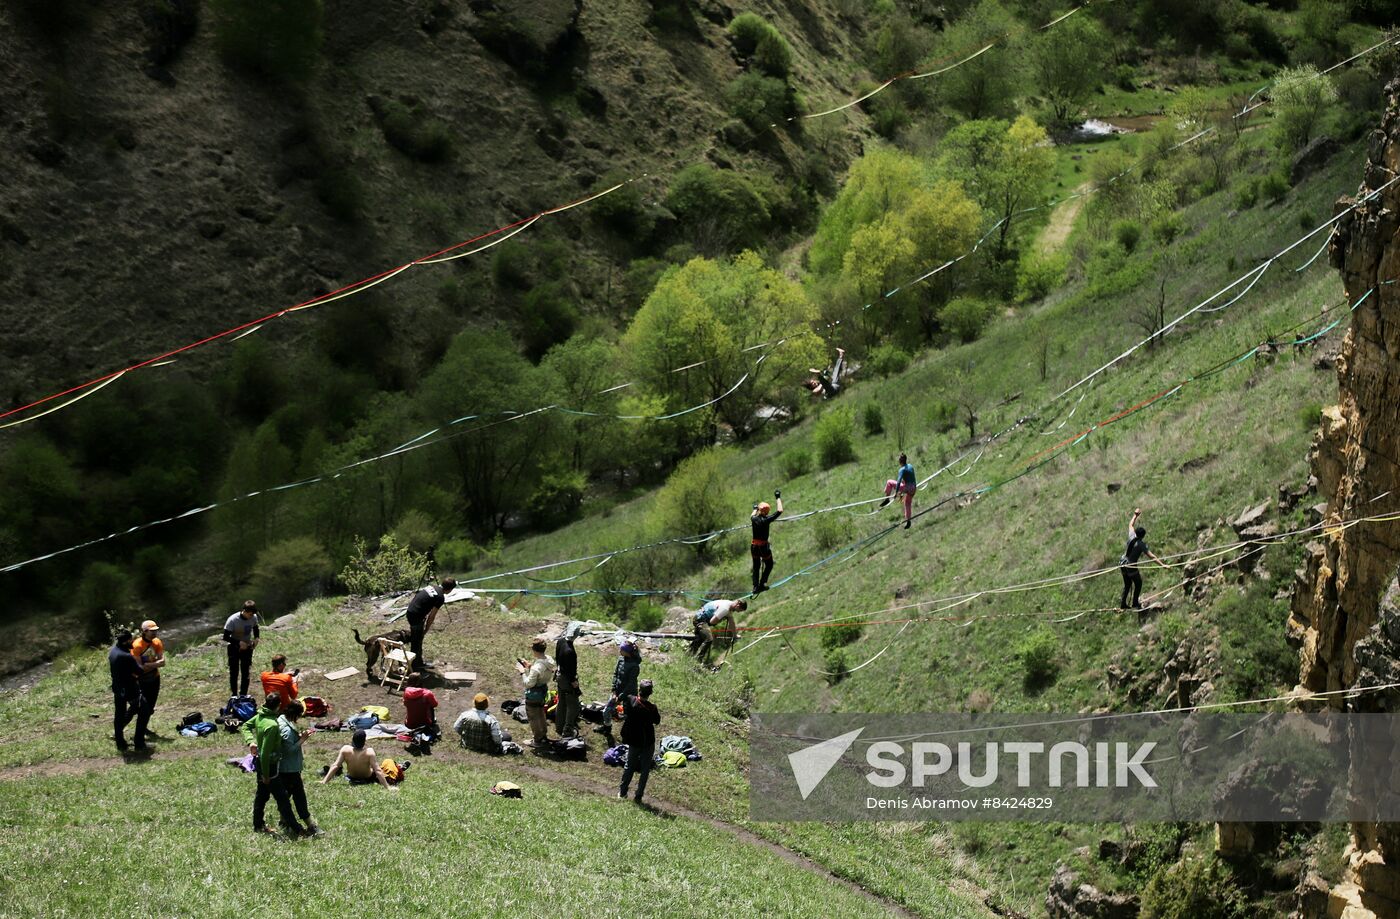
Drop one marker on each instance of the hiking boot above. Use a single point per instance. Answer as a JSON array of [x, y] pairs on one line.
[[760, 588], [294, 830], [141, 748], [266, 831], [122, 745], [906, 524], [312, 830], [622, 796], [885, 503]]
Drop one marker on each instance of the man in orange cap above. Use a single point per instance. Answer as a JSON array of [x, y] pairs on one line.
[[149, 652], [762, 552]]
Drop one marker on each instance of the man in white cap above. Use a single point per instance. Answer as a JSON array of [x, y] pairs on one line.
[[149, 652]]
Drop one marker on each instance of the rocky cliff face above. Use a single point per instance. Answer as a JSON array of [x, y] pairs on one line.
[[1345, 636]]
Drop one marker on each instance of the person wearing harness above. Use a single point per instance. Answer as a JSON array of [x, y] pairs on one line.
[[242, 633], [624, 683], [820, 384], [422, 610], [710, 616], [904, 483], [761, 551], [1136, 549]]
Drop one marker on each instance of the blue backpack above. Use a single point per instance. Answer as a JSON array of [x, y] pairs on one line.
[[240, 707], [362, 721], [199, 729]]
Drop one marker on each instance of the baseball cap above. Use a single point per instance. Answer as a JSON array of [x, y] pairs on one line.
[[150, 626]]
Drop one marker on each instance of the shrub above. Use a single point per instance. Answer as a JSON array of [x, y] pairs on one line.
[[624, 211], [557, 499], [1310, 416], [838, 636], [417, 531], [645, 617], [697, 498], [746, 30], [888, 360], [280, 39], [1247, 195], [1167, 227], [457, 554], [756, 100], [1198, 888], [796, 462], [965, 317], [339, 189], [388, 568], [833, 438], [829, 532], [773, 56], [1037, 274], [1274, 187], [288, 571], [104, 588], [873, 419], [835, 661], [547, 317], [722, 203], [1038, 653], [415, 132], [510, 266], [1127, 233]]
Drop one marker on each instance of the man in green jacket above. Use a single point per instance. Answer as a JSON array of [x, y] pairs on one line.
[[265, 742]]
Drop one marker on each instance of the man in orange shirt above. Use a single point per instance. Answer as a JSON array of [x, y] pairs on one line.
[[149, 652], [278, 680]]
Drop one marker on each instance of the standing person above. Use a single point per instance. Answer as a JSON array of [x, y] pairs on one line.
[[242, 632], [278, 680], [566, 657], [904, 483], [761, 551], [624, 683], [479, 729], [264, 737], [1136, 549], [289, 768], [537, 674], [707, 619], [126, 689], [639, 733], [422, 610], [149, 651]]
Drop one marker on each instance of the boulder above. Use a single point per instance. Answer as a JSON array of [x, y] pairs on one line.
[[1069, 899], [1317, 152]]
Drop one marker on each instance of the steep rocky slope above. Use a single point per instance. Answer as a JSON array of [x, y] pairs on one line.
[[154, 194], [1344, 617]]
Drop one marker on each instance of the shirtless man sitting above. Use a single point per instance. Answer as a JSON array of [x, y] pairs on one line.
[[361, 765]]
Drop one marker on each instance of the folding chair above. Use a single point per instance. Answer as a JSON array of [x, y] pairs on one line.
[[397, 662]]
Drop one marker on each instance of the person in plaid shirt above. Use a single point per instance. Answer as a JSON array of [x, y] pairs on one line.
[[479, 729]]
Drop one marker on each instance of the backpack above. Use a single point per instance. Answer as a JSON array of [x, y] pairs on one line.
[[672, 759], [191, 718], [592, 712], [378, 711], [199, 729], [615, 756], [240, 707], [519, 714], [316, 707], [393, 772], [506, 790], [362, 721], [682, 745], [569, 748]]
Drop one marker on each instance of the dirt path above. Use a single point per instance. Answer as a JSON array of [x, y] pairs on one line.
[[1053, 237], [537, 770]]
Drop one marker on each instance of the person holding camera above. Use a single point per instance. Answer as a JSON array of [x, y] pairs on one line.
[[761, 551], [537, 674], [278, 680], [241, 631]]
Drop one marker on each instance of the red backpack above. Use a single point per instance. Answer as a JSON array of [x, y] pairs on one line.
[[316, 707]]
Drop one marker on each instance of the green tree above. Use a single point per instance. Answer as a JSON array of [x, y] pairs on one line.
[[496, 467], [1068, 62], [882, 180], [579, 371], [1300, 100], [280, 39], [986, 86], [244, 526], [717, 313], [698, 497], [720, 209], [1006, 165], [288, 571], [39, 494]]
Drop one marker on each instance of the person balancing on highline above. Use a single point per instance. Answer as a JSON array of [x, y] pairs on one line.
[[761, 551], [905, 483], [1137, 548]]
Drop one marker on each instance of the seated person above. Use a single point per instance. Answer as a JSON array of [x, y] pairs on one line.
[[419, 705], [479, 729], [361, 765], [278, 680]]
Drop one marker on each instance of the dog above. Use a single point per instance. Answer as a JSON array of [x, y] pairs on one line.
[[371, 645]]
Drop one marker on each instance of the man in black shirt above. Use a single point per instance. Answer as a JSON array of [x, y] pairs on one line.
[[639, 733], [422, 610], [1137, 548], [760, 550], [566, 657], [126, 689]]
